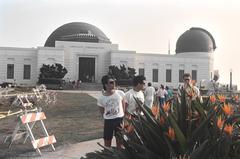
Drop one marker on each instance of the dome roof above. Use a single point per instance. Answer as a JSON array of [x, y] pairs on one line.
[[77, 32], [195, 40]]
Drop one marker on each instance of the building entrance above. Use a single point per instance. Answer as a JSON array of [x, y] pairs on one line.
[[86, 69]]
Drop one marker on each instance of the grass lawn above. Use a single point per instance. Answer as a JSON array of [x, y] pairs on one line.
[[74, 118]]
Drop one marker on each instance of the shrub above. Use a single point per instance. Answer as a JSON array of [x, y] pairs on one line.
[[191, 131]]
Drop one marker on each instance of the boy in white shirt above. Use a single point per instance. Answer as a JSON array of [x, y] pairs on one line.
[[137, 92], [111, 104]]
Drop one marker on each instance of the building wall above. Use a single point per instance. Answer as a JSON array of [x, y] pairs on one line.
[[68, 54], [18, 57], [202, 62], [74, 50]]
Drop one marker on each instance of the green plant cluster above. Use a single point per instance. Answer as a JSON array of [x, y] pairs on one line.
[[191, 130]]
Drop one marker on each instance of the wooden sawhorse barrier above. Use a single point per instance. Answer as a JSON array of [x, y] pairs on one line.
[[28, 120]]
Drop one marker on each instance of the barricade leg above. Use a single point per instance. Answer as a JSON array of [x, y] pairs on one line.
[[32, 137], [46, 133], [31, 126], [13, 135]]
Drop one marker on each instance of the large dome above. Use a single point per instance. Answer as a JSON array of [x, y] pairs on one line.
[[77, 32], [195, 40]]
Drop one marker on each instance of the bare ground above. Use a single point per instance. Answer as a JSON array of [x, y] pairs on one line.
[[74, 118]]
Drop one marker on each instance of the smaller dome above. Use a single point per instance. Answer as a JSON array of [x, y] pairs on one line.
[[195, 40]]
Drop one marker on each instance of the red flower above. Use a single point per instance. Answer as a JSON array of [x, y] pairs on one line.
[[212, 99], [220, 122], [222, 98], [166, 107], [227, 109], [155, 110], [171, 133], [228, 129], [162, 121]]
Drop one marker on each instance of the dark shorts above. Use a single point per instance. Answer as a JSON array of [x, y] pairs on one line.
[[111, 126]]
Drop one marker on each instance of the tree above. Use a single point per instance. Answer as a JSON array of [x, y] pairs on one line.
[[52, 71], [122, 72]]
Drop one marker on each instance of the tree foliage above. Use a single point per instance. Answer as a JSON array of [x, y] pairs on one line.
[[122, 72], [52, 71]]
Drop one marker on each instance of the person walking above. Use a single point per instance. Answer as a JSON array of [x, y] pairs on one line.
[[149, 95], [161, 93], [111, 105], [169, 93]]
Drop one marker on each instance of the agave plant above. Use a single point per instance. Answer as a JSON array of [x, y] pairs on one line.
[[191, 130]]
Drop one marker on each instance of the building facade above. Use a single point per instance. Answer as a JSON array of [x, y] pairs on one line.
[[87, 53]]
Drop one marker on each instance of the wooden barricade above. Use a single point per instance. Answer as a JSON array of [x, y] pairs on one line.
[[28, 120]]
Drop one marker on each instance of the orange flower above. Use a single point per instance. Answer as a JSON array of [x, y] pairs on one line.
[[220, 122], [171, 133], [155, 110], [212, 99], [166, 107], [130, 129], [222, 98], [228, 129], [162, 121], [236, 97], [227, 109]]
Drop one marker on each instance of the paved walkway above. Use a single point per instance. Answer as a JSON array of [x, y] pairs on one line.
[[74, 151]]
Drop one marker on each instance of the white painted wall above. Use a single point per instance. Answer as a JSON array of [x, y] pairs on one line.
[[68, 53], [18, 57]]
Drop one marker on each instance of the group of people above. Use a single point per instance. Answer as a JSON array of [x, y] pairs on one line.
[[162, 93], [115, 104]]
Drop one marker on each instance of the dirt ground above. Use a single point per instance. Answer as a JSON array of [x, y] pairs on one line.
[[74, 118]]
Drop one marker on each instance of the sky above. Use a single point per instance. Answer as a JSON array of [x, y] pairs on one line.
[[145, 26]]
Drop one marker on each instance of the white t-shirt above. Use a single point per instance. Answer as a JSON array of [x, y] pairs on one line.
[[149, 93], [161, 93], [112, 105], [132, 105]]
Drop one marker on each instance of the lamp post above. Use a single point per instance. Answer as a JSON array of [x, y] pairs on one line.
[[230, 80]]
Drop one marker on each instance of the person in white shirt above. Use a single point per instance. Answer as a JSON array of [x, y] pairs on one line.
[[161, 93], [190, 88], [137, 92], [111, 105], [149, 95]]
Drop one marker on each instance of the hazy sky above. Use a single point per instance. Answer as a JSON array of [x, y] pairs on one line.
[[145, 26]]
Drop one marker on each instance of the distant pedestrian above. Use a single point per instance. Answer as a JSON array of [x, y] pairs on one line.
[[78, 84], [149, 95], [73, 84], [111, 105], [169, 93], [161, 93]]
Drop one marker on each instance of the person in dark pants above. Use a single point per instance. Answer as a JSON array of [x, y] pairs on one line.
[[111, 105]]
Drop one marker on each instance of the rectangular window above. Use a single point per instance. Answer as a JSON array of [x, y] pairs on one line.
[[10, 71], [181, 73], [155, 75], [141, 71], [168, 75], [194, 75], [26, 71]]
